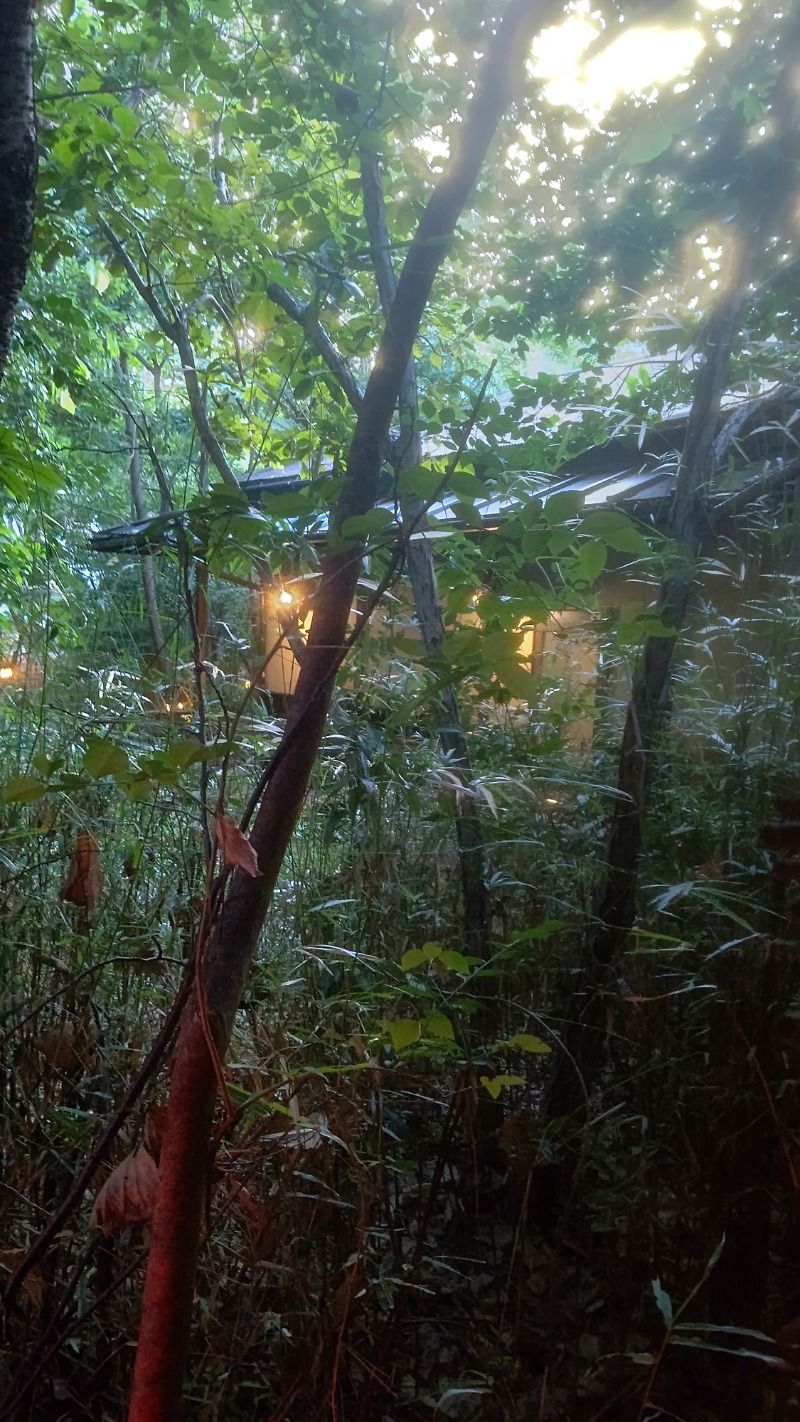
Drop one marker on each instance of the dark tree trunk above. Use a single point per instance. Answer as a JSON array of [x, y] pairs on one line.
[[422, 577], [577, 1066], [184, 1168], [149, 590], [17, 160], [688, 522]]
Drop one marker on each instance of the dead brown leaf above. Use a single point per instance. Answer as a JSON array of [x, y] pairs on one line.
[[83, 884], [234, 848], [67, 1047], [128, 1195], [33, 1283], [154, 1125]]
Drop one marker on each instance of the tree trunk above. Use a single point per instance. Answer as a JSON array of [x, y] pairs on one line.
[[649, 698], [18, 160], [140, 512], [422, 577], [647, 708], [184, 1168]]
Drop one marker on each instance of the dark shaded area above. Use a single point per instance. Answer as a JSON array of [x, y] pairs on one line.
[[17, 160]]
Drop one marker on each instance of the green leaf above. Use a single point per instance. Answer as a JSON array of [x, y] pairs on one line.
[[190, 751], [515, 678], [617, 530], [103, 757], [22, 473], [534, 542], [494, 1084], [414, 957], [650, 138], [158, 768], [419, 480], [366, 525], [456, 962], [404, 1032], [591, 560], [562, 507], [546, 929], [46, 765], [437, 1025], [137, 788], [466, 485], [526, 1042], [22, 789], [66, 401]]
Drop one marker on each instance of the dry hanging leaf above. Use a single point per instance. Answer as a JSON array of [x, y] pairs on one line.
[[128, 1195], [154, 1126], [234, 848], [57, 1046], [83, 884], [33, 1283], [788, 1336]]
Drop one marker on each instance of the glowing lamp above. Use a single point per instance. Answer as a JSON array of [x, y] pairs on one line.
[[6, 673], [285, 597]]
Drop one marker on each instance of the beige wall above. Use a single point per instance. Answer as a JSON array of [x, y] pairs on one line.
[[565, 649]]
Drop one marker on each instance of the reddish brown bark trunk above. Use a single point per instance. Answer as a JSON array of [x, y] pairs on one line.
[[183, 1175]]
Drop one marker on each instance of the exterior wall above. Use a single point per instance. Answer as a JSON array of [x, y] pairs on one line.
[[280, 676], [567, 649]]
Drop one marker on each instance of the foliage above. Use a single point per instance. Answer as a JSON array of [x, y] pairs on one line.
[[388, 1233]]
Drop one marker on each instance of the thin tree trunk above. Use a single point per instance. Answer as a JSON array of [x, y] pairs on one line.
[[184, 1167], [18, 160], [690, 521], [649, 700], [140, 512], [422, 576], [648, 706], [202, 605]]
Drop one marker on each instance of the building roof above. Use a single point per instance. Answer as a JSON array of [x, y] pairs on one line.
[[632, 471]]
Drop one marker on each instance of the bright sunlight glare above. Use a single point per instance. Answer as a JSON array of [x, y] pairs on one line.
[[632, 63]]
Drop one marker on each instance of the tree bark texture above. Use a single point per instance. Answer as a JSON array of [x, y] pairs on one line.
[[183, 1174], [18, 160]]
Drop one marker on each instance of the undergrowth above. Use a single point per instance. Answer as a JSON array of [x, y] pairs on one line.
[[399, 1227]]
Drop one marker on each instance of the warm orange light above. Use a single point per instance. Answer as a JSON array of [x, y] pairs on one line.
[[285, 597], [6, 673]]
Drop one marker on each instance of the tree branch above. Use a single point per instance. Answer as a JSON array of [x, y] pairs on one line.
[[303, 313], [178, 333]]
